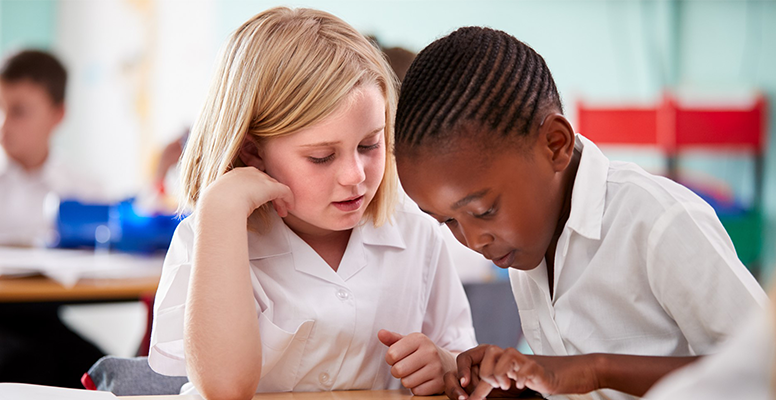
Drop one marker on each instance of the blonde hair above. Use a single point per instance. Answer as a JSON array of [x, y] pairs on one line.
[[281, 71]]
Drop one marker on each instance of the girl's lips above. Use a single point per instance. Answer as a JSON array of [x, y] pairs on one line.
[[350, 204], [505, 261]]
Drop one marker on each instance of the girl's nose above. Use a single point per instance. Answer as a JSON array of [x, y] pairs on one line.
[[352, 172], [473, 237]]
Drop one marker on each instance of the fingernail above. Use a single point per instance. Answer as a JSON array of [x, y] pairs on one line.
[[463, 380], [461, 397]]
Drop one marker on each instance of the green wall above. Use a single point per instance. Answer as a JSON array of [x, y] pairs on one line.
[[27, 23]]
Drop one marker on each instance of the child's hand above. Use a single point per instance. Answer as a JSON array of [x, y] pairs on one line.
[[508, 369], [454, 389], [248, 188], [417, 361]]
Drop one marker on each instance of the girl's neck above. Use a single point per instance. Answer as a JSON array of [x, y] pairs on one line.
[[568, 186], [330, 245]]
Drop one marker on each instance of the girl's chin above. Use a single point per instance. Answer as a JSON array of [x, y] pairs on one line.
[[330, 224], [346, 223]]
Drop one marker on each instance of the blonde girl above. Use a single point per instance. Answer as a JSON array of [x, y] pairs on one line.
[[298, 270]]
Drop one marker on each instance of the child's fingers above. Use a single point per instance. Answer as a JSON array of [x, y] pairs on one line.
[[481, 391], [401, 349], [388, 338], [475, 378], [420, 377], [466, 360], [533, 376], [488, 364], [508, 367], [407, 366], [429, 387], [282, 198], [281, 207], [453, 388]]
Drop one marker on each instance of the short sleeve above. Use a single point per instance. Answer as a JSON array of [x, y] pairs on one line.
[[448, 319], [697, 277], [166, 351]]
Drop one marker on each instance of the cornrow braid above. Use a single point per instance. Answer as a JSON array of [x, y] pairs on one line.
[[474, 75]]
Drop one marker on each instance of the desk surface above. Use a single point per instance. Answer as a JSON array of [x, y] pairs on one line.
[[40, 288], [341, 395], [60, 275]]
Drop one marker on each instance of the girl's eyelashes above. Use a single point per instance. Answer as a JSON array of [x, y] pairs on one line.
[[366, 148], [316, 160], [488, 213], [361, 149]]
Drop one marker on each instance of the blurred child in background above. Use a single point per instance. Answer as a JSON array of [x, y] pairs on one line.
[[35, 347]]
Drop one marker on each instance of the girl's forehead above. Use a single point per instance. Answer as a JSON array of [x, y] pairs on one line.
[[362, 112]]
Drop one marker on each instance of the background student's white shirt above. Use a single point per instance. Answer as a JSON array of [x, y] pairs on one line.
[[29, 199], [319, 327], [742, 369], [643, 266]]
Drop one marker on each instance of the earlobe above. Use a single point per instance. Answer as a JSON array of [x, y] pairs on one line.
[[249, 154], [560, 139]]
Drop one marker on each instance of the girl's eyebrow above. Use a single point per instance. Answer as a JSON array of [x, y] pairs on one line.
[[468, 199], [333, 143], [464, 201]]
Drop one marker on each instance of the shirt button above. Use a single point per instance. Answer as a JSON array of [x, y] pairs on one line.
[[343, 294], [324, 378]]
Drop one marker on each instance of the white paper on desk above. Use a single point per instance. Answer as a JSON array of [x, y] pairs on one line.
[[13, 391], [68, 266]]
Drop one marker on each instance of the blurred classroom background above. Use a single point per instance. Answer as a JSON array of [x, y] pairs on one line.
[[139, 70]]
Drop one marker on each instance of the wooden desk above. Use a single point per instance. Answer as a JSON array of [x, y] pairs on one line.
[[341, 395], [42, 289], [103, 276]]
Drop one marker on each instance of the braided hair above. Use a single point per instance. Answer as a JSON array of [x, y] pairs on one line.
[[474, 77]]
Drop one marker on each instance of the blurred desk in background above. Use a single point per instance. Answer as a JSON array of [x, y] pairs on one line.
[[57, 275], [35, 282], [43, 289]]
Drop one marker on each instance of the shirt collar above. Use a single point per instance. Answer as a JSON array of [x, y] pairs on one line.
[[387, 235], [271, 241], [588, 197]]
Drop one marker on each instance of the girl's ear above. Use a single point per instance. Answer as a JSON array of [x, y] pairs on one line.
[[560, 139], [250, 154]]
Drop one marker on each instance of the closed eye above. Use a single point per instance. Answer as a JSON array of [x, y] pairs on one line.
[[316, 160], [489, 212], [366, 148]]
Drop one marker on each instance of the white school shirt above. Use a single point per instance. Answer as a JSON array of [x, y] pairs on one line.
[[643, 266], [29, 199], [319, 327], [742, 369]]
